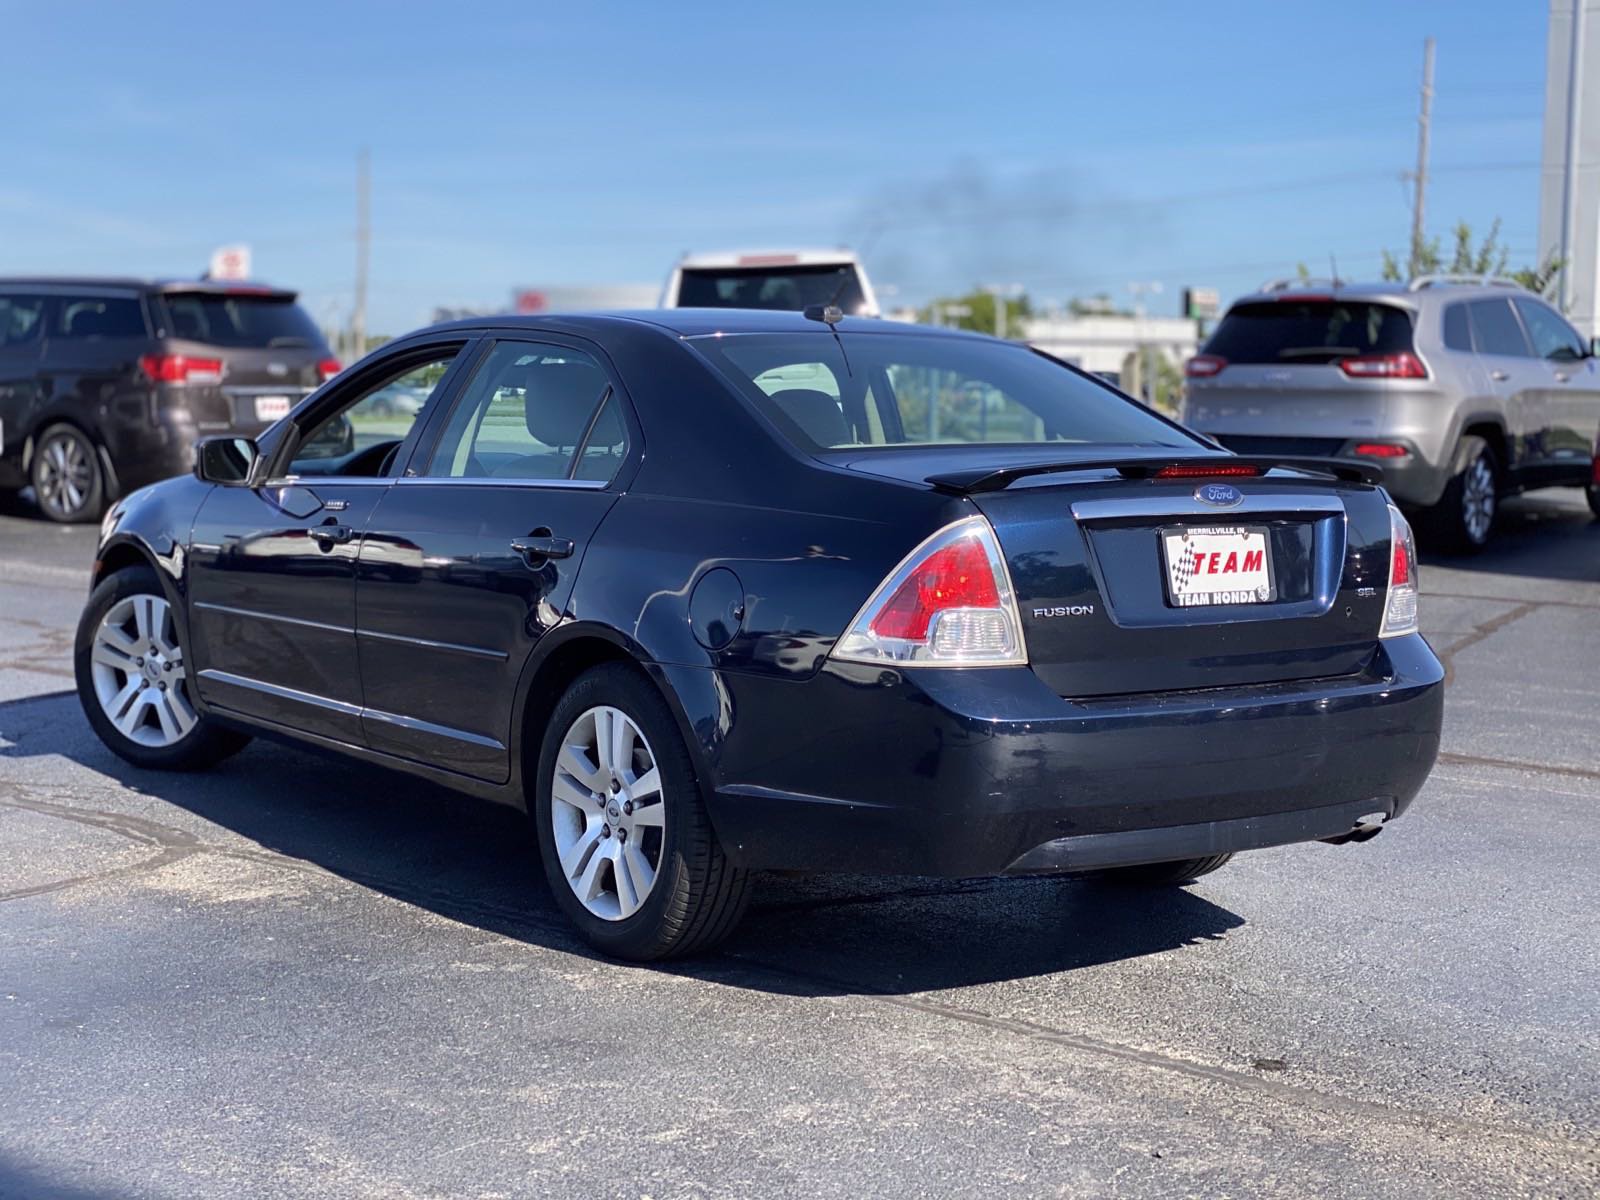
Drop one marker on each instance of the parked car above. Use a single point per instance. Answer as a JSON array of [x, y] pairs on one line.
[[1463, 389], [1593, 490], [783, 279], [699, 621], [105, 384]]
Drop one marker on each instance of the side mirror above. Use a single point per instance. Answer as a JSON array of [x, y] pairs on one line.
[[225, 460]]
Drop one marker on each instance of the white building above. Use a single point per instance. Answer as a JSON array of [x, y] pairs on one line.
[[1569, 200], [1107, 343]]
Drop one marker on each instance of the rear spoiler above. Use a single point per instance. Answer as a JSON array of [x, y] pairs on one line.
[[1198, 467]]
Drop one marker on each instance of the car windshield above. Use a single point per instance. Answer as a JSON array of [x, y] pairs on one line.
[[910, 389], [784, 288], [1309, 331], [240, 320]]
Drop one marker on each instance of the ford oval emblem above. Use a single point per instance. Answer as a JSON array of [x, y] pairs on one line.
[[1219, 495]]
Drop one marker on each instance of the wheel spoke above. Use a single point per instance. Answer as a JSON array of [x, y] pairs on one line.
[[652, 815], [630, 893], [569, 793], [623, 736], [576, 763], [588, 885], [183, 713], [126, 709], [574, 856], [638, 872], [647, 785], [108, 654]]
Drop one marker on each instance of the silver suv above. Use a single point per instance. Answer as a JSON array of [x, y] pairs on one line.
[[1463, 389]]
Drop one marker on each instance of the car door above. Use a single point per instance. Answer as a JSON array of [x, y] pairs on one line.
[[272, 567], [470, 558], [1572, 392], [21, 337], [90, 371], [1519, 381]]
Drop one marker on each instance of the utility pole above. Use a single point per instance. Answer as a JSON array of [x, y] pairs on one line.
[[358, 317], [1424, 119], [1569, 175]]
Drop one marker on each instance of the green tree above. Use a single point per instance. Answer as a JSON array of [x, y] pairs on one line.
[[975, 311], [1488, 257]]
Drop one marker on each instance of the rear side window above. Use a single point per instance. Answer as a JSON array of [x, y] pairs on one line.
[[528, 412], [1495, 329], [787, 288], [1552, 337], [240, 320], [1457, 328], [1309, 331], [893, 389], [21, 319], [99, 317]]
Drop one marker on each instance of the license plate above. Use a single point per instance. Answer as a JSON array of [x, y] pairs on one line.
[[1217, 564], [270, 408]]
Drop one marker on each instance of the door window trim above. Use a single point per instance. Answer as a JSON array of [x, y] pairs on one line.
[[422, 455]]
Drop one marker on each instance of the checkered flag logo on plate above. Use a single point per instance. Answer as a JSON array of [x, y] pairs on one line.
[[1184, 571]]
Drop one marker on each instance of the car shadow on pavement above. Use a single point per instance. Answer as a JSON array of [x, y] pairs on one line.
[[1548, 534], [475, 862]]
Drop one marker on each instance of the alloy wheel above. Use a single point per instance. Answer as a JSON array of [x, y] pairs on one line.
[[65, 475], [137, 668], [608, 813], [1478, 499]]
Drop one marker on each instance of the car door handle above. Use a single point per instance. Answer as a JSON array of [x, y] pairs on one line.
[[328, 535], [1562, 377], [541, 547], [1499, 376]]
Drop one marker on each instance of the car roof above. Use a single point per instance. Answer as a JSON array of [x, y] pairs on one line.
[[1413, 295], [211, 286], [838, 256], [697, 322]]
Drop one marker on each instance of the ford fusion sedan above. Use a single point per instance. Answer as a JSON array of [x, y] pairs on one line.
[[708, 592]]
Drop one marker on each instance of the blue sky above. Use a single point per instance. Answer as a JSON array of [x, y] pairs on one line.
[[1072, 147]]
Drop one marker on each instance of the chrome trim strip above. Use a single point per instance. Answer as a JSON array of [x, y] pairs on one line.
[[283, 693], [419, 726], [1187, 506], [261, 616], [450, 481], [479, 651]]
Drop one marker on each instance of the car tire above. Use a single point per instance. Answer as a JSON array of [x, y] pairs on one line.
[[1164, 874], [596, 870], [1593, 493], [68, 484], [1463, 520], [132, 681]]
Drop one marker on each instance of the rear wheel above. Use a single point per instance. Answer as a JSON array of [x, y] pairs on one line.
[[1593, 492], [1463, 519], [128, 660], [1165, 874], [68, 484], [627, 845]]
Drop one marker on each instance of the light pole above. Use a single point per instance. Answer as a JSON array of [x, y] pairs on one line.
[[1002, 293]]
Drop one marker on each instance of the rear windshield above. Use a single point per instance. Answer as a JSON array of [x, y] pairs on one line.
[[223, 320], [875, 389], [1309, 331], [787, 288]]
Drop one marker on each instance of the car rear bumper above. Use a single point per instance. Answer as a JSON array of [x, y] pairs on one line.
[[1412, 480], [986, 772]]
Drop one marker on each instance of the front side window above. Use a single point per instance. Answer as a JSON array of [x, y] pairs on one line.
[[21, 318], [532, 412], [1495, 329], [912, 389], [362, 437], [1552, 337], [97, 317]]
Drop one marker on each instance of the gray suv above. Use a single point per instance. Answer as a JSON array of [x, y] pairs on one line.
[[1462, 389]]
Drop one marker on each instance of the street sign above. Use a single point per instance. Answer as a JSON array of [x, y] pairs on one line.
[[230, 262], [1201, 303]]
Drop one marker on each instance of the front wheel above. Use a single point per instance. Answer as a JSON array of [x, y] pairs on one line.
[[128, 660], [626, 842], [1165, 874], [68, 484]]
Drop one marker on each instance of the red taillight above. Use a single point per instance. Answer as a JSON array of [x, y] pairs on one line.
[[1219, 471], [948, 603], [1204, 366], [956, 576], [1594, 475], [1384, 366], [1381, 450], [328, 368], [181, 368], [1400, 564], [1400, 601]]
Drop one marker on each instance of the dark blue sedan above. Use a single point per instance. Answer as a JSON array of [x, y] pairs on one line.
[[709, 592]]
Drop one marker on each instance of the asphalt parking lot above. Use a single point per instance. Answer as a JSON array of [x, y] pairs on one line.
[[299, 976]]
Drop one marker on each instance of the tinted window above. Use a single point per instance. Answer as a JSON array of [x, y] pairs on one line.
[[99, 317], [1309, 331], [1457, 328], [1495, 329], [526, 412], [1552, 337], [21, 318], [910, 389], [224, 320], [789, 288], [378, 414]]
